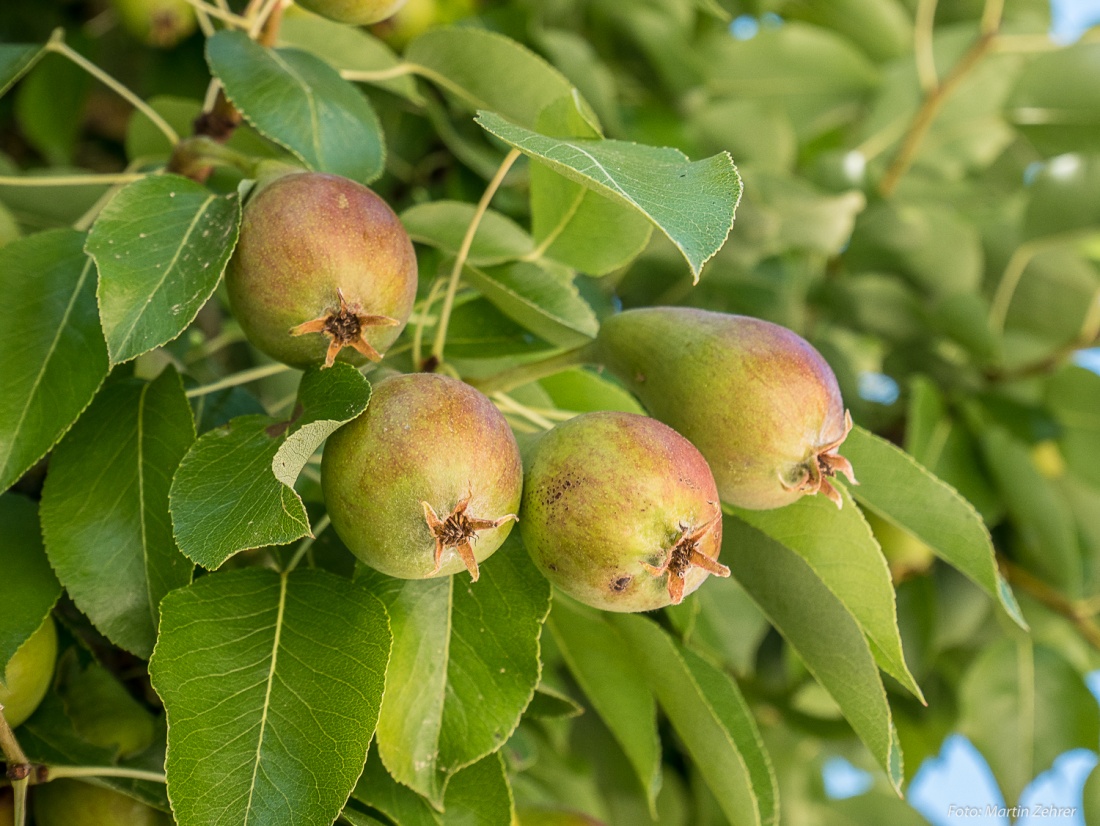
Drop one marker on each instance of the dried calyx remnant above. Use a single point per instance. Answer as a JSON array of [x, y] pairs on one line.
[[684, 554], [824, 464], [459, 531], [344, 326]]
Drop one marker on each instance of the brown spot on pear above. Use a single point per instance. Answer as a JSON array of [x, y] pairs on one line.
[[621, 512], [426, 481], [323, 269], [758, 400]]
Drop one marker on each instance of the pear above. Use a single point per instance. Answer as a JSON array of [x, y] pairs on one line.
[[28, 675], [758, 400]]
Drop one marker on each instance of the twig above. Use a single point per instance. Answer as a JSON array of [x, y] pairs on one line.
[[91, 179], [923, 27], [244, 377], [935, 98], [464, 251], [57, 772], [1054, 599], [307, 543], [57, 45]]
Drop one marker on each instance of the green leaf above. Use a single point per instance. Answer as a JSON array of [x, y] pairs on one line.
[[487, 70], [839, 546], [711, 717], [16, 59], [50, 737], [347, 48], [51, 345], [397, 802], [549, 704], [233, 490], [542, 300], [1091, 797], [478, 330], [479, 794], [820, 629], [1022, 705], [44, 104], [610, 675], [272, 684], [572, 223], [728, 627], [28, 587], [301, 103], [105, 507], [584, 391], [898, 489], [465, 665], [160, 245], [1056, 103], [692, 203], [1047, 537], [443, 224]]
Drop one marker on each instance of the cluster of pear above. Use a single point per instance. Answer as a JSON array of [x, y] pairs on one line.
[[621, 511]]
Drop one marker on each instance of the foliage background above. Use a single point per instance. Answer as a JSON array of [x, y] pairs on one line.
[[948, 275]]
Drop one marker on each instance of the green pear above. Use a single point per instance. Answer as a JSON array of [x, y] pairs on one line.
[[68, 802], [160, 23], [28, 674], [358, 12]]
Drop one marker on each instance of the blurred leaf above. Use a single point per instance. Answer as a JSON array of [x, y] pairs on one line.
[[16, 59], [105, 714], [1073, 396], [539, 299], [729, 626], [818, 77], [160, 245], [233, 489], [757, 133], [800, 216], [51, 345], [105, 507], [488, 71], [609, 673], [44, 105], [1065, 198], [294, 666], [301, 103], [443, 224], [1022, 705], [478, 330], [1048, 543], [898, 489], [1091, 797], [660, 183], [934, 246], [820, 629], [839, 546], [881, 28], [465, 664], [347, 48], [723, 740], [28, 588], [50, 737], [145, 140], [1056, 103]]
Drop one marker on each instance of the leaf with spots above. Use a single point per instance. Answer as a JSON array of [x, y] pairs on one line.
[[692, 203], [105, 507], [465, 665], [160, 245], [272, 684], [300, 102]]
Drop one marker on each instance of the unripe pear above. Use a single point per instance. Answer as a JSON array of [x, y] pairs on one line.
[[758, 400], [554, 817], [67, 802], [356, 12], [621, 512], [426, 481], [322, 264], [160, 23], [27, 676]]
